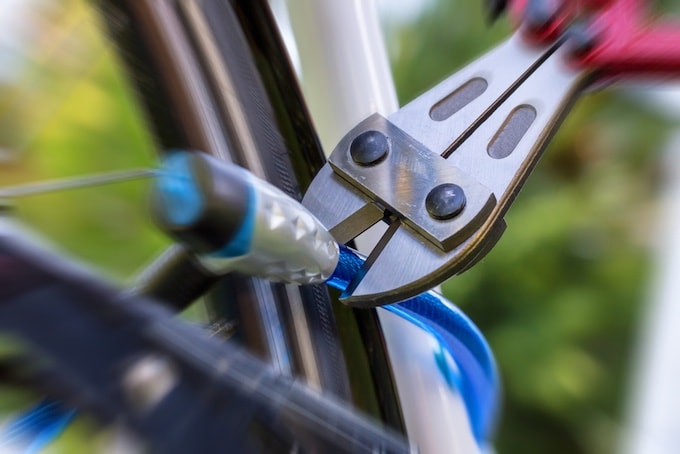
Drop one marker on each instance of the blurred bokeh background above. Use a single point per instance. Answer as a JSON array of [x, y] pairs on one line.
[[560, 299], [66, 109]]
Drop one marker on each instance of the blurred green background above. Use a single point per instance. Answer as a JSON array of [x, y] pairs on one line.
[[559, 298], [66, 110]]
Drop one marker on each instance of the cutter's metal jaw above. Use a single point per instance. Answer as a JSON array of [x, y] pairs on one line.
[[482, 130]]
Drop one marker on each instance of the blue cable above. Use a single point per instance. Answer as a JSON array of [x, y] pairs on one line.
[[479, 382], [37, 427]]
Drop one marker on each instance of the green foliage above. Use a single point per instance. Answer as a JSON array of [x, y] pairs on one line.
[[71, 113]]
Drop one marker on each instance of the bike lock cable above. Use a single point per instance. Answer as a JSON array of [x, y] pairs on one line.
[[479, 385]]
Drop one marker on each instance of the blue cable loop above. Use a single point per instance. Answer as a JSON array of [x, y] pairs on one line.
[[479, 383]]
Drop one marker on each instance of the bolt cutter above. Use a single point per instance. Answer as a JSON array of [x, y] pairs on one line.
[[442, 171]]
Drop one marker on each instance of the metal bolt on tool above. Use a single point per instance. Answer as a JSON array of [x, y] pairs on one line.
[[369, 148], [445, 201]]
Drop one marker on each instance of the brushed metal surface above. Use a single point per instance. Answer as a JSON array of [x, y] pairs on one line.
[[504, 69], [344, 211], [551, 90], [288, 244], [451, 148], [402, 181]]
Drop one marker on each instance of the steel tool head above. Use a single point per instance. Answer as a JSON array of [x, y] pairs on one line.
[[442, 171]]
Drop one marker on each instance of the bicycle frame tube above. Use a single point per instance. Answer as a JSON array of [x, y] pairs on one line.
[[345, 71], [346, 77]]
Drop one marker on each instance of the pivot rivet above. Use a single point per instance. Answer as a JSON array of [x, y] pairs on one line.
[[369, 148], [445, 201]]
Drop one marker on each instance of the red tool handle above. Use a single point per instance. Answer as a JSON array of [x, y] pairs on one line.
[[621, 41]]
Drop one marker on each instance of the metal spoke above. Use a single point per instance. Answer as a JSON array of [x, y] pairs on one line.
[[42, 187]]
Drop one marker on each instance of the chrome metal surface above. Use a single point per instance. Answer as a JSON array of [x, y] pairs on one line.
[[550, 91], [487, 138], [288, 243], [351, 212], [503, 69], [407, 265], [402, 181]]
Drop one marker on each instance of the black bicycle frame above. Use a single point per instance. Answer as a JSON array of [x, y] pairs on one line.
[[214, 76]]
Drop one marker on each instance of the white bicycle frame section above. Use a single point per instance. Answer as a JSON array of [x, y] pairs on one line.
[[653, 425], [345, 76]]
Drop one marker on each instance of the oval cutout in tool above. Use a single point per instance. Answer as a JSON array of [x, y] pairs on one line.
[[460, 98], [511, 132]]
